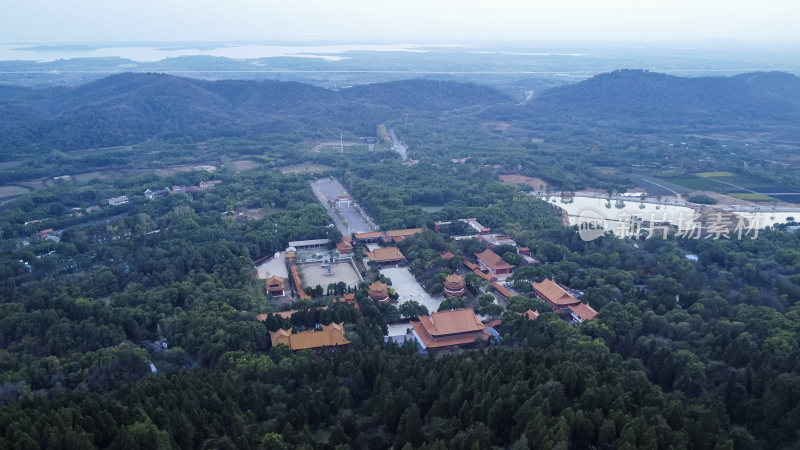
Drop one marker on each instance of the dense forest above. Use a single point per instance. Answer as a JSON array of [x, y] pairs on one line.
[[688, 353]]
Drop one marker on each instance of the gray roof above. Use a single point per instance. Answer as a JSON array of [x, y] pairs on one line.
[[308, 243]]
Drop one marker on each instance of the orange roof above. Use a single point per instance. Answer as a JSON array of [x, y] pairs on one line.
[[492, 260], [554, 293], [403, 233], [445, 328], [370, 235], [494, 323], [449, 322], [470, 265], [329, 336], [584, 311], [274, 279], [298, 283], [501, 289], [383, 254], [447, 255], [345, 245], [530, 314], [454, 278], [261, 317], [378, 291], [485, 276]]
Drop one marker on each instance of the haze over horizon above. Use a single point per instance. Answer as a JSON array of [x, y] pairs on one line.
[[412, 21]]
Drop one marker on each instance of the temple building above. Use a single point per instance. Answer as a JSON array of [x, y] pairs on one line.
[[331, 336], [454, 286], [275, 286], [554, 295], [491, 261], [371, 236], [447, 329], [400, 235], [386, 256], [582, 311], [379, 292], [345, 245]]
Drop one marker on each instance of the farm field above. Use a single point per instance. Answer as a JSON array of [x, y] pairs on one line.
[[741, 186]]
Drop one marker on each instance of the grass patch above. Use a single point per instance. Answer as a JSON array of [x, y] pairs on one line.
[[12, 191], [697, 183], [715, 174], [752, 197], [86, 177]]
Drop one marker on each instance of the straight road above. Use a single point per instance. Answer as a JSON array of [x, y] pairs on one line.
[[328, 190], [398, 146]]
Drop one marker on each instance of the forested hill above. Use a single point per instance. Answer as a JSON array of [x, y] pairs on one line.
[[129, 108], [659, 98]]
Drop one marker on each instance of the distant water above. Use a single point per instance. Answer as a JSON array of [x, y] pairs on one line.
[[157, 52]]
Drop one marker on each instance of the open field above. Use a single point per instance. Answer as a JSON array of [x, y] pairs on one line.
[[12, 191], [715, 174], [103, 175], [245, 164], [175, 169], [740, 186], [752, 197], [697, 184], [306, 168], [536, 183]]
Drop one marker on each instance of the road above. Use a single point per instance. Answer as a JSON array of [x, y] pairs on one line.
[[328, 190], [398, 146]]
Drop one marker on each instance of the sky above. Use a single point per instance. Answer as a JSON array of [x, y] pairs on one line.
[[753, 21]]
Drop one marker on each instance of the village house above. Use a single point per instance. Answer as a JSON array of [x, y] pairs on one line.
[[327, 336], [121, 200], [153, 194], [554, 295], [449, 329], [209, 184]]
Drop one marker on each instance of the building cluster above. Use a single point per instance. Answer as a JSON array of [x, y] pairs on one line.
[[323, 336], [439, 330], [387, 236], [175, 189], [562, 301]]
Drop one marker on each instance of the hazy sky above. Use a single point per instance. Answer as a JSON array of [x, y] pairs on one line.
[[400, 20]]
